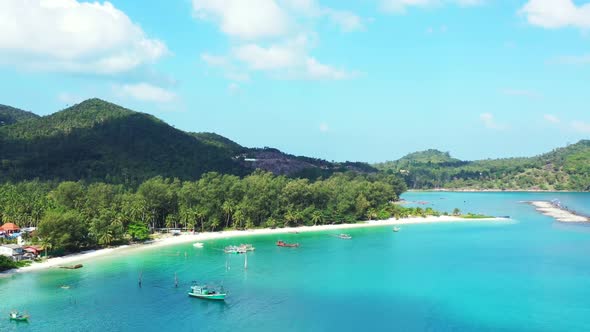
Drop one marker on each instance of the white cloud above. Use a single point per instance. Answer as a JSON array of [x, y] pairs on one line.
[[68, 35], [146, 92], [324, 128], [271, 36], [554, 14], [489, 121], [551, 118], [582, 127], [288, 60], [401, 6], [245, 19], [233, 89]]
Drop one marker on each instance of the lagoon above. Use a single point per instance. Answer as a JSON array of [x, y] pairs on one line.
[[531, 274]]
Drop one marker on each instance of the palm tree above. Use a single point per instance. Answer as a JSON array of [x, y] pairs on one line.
[[46, 243], [317, 217], [238, 218], [106, 238], [228, 209]]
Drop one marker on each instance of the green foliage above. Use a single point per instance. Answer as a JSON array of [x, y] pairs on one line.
[[10, 115], [97, 141], [65, 230], [566, 168], [6, 263], [138, 231]]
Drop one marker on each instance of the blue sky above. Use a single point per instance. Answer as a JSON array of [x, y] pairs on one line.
[[367, 80]]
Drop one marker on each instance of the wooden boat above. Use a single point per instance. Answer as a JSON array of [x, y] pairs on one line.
[[206, 293], [285, 244], [72, 267], [248, 247], [345, 236], [198, 245], [16, 316], [235, 250], [396, 229]]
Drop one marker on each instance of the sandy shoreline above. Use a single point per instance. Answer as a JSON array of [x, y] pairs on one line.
[[557, 213], [186, 238]]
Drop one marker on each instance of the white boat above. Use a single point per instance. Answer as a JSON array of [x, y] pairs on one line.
[[198, 245], [396, 229], [345, 236]]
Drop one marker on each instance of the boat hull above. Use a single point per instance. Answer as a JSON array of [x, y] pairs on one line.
[[214, 297]]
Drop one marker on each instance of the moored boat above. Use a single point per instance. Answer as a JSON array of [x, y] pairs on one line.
[[207, 293], [72, 267], [248, 247], [198, 245], [345, 236], [16, 316], [235, 250], [396, 229], [285, 244]]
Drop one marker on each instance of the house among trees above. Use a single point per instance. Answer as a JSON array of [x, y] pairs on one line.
[[13, 251], [9, 228]]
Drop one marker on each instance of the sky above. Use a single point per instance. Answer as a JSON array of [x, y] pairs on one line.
[[362, 80]]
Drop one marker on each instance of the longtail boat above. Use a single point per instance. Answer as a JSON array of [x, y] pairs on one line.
[[206, 293], [285, 244], [16, 316]]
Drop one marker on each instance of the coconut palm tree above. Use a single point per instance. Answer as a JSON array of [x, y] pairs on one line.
[[317, 217]]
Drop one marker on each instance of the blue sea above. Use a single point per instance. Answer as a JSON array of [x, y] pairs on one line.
[[528, 274]]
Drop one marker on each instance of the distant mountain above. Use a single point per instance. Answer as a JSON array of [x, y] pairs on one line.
[[97, 140], [565, 168], [10, 115], [100, 141]]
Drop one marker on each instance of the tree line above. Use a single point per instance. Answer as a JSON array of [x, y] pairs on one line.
[[76, 215]]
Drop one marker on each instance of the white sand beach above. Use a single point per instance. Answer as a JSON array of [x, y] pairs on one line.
[[559, 214], [56, 262]]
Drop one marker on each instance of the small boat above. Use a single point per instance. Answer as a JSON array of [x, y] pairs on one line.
[[248, 247], [198, 245], [396, 229], [345, 236], [204, 292], [64, 287], [16, 316], [72, 267], [285, 244], [235, 250]]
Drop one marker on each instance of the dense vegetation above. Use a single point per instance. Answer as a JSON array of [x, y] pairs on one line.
[[566, 168], [74, 215], [10, 115], [100, 141]]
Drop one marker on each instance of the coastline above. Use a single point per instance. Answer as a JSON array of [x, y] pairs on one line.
[[459, 190], [559, 214], [55, 262]]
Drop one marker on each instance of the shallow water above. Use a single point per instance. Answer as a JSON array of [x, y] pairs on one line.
[[531, 274]]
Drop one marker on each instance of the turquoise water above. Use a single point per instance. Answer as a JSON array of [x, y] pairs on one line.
[[531, 274]]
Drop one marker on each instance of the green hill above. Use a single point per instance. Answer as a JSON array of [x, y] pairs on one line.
[[10, 115], [100, 141], [565, 168], [97, 140]]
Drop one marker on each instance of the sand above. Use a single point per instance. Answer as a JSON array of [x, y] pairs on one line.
[[201, 237], [559, 214]]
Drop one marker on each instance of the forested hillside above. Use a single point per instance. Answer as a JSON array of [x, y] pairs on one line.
[[10, 115], [566, 168]]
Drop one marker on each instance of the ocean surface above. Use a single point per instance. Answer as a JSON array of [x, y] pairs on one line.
[[529, 274]]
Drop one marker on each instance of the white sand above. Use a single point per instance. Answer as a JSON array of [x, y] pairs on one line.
[[562, 215], [172, 240]]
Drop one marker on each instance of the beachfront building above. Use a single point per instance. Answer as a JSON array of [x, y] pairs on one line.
[[13, 251], [9, 228]]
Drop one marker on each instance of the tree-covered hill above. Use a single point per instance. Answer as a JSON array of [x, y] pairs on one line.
[[97, 140], [566, 168], [10, 115], [100, 141]]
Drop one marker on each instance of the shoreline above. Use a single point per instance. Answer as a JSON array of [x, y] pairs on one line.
[[56, 262], [560, 214], [494, 190]]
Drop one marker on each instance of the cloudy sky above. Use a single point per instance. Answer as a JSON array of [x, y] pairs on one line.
[[366, 80]]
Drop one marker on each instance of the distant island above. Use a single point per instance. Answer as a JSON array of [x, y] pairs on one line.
[[563, 169]]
